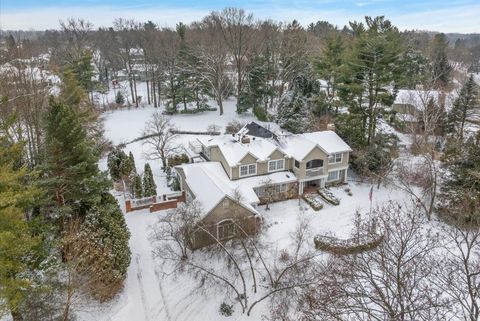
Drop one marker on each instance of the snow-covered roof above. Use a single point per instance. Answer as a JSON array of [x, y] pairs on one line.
[[210, 184], [234, 151], [420, 98], [298, 146]]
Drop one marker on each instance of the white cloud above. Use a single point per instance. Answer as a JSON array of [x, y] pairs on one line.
[[48, 18], [458, 19], [462, 19]]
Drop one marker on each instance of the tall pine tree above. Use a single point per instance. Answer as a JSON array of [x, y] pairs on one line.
[[441, 68], [19, 247], [466, 105], [70, 169], [149, 187]]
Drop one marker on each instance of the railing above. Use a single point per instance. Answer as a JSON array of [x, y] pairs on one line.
[[142, 202], [314, 172]]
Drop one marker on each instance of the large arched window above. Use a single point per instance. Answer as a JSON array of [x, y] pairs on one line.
[[225, 229], [315, 163]]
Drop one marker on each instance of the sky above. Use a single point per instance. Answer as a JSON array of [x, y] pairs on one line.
[[461, 16]]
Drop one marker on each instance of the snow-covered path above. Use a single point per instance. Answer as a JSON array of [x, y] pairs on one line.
[[140, 290]]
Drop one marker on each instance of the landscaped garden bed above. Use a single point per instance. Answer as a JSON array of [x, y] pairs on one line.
[[314, 200], [354, 245], [328, 196]]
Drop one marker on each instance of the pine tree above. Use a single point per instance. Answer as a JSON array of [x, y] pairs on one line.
[[467, 104], [329, 67], [105, 228], [461, 188], [119, 99], [149, 187], [441, 69], [373, 64], [70, 169], [295, 107], [132, 161], [115, 160], [19, 248], [137, 187]]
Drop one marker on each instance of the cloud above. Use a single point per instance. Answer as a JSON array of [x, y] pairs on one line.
[[461, 18], [48, 18]]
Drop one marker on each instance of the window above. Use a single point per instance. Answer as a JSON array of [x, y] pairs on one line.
[[297, 164], [335, 158], [315, 163], [225, 229], [276, 165], [247, 170], [225, 203], [333, 176]]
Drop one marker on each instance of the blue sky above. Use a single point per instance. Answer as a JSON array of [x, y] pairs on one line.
[[437, 15]]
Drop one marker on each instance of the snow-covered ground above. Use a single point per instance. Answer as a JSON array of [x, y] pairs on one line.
[[149, 295]]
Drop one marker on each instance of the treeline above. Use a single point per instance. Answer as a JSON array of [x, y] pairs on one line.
[[63, 237]]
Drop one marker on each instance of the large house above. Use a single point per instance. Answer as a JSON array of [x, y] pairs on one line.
[[254, 167]]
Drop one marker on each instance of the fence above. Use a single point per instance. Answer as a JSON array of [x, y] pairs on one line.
[[155, 203]]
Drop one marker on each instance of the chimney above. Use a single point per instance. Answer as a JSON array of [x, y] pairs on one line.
[[331, 127]]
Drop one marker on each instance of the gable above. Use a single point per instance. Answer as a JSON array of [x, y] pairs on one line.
[[232, 211], [277, 154], [316, 153], [248, 159]]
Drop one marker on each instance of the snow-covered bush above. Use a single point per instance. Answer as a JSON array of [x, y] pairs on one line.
[[314, 201], [226, 309], [328, 196]]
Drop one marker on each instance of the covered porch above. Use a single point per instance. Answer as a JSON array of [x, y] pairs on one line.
[[311, 185]]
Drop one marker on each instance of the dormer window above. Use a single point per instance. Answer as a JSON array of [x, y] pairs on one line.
[[276, 165], [248, 170]]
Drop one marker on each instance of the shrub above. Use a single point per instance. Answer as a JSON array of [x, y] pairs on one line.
[[233, 127], [226, 309], [119, 99], [197, 110], [212, 129], [260, 113], [178, 160]]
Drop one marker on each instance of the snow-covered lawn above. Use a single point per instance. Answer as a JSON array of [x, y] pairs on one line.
[[148, 295]]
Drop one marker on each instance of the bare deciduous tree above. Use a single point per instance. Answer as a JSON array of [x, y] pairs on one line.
[[458, 274], [160, 136], [391, 282]]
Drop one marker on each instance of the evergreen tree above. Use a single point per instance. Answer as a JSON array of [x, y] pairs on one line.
[[137, 187], [416, 68], [441, 68], [466, 105], [295, 108], [132, 162], [115, 160], [373, 64], [461, 188], [71, 174], [149, 187], [119, 99], [329, 67], [105, 228], [19, 247]]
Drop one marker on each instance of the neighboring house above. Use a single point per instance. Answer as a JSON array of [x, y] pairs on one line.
[[256, 167]]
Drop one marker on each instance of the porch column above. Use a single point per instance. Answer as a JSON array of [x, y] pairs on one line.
[[345, 175]]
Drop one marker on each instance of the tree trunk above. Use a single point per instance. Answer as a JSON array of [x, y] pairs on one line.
[[135, 88], [220, 104]]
